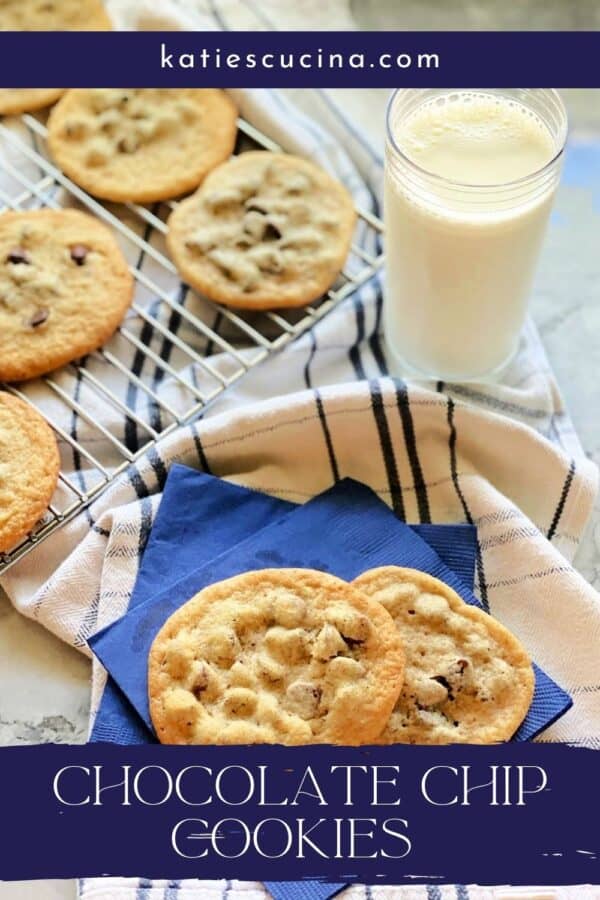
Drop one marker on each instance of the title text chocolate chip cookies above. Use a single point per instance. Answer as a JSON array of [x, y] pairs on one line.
[[287, 656], [264, 230], [467, 679], [64, 288], [141, 145], [53, 15], [28, 469]]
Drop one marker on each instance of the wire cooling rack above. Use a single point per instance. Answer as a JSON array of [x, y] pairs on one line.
[[175, 352]]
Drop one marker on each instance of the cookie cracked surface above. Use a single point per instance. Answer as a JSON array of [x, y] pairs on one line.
[[289, 656], [142, 144], [64, 288], [265, 230], [467, 678], [29, 464]]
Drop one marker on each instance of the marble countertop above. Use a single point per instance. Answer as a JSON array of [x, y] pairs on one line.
[[44, 693]]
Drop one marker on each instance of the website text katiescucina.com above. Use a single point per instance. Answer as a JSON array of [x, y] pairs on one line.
[[314, 59]]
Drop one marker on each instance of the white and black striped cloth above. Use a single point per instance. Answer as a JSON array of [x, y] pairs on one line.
[[503, 457], [117, 888]]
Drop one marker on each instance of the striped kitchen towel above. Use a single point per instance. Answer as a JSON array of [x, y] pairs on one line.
[[503, 457], [140, 889]]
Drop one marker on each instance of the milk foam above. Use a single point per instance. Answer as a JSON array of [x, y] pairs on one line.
[[475, 138]]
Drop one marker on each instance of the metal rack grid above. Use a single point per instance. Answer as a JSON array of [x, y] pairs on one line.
[[90, 401]]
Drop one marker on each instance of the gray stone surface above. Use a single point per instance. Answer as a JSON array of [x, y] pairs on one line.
[[44, 684], [477, 15], [567, 312]]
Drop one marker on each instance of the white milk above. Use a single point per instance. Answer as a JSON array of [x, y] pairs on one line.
[[465, 214]]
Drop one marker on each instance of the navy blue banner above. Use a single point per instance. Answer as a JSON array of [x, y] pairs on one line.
[[516, 813], [300, 59]]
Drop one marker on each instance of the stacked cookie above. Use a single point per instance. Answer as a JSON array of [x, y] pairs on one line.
[[296, 656]]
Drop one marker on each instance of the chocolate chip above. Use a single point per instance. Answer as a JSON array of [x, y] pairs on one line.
[[271, 232], [127, 145], [201, 680], [18, 255], [39, 317], [353, 643], [79, 253], [445, 683], [254, 206]]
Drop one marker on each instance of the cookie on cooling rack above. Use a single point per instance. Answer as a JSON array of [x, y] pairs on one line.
[[29, 466], [290, 656], [264, 230], [468, 680], [64, 288], [53, 15], [141, 145], [14, 101]]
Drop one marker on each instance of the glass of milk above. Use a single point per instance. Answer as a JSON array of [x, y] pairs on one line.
[[470, 177]]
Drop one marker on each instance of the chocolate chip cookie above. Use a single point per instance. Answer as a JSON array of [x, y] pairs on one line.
[[14, 101], [28, 469], [468, 680], [53, 15], [264, 230], [289, 656], [141, 145], [64, 288]]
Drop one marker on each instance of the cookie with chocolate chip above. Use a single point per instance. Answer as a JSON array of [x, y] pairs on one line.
[[265, 230], [468, 680], [53, 15], [28, 469], [14, 101], [64, 288], [290, 656], [144, 144]]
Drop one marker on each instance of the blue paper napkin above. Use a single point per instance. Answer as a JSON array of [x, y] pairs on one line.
[[199, 518], [303, 890], [344, 531]]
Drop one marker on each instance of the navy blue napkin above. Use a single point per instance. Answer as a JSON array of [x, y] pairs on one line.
[[355, 530], [199, 518], [303, 890]]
